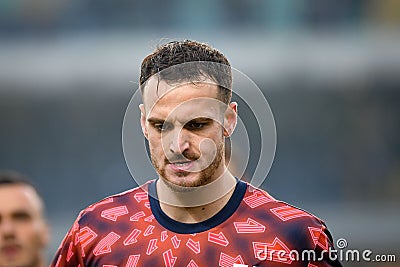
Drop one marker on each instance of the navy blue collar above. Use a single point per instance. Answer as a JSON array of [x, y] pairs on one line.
[[191, 228]]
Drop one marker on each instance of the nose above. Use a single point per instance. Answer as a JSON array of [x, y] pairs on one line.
[[6, 228], [180, 141]]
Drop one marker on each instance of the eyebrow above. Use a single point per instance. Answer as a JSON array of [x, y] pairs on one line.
[[21, 213], [198, 119], [201, 119], [155, 120]]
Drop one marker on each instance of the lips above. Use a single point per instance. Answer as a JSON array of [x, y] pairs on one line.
[[10, 250], [181, 166]]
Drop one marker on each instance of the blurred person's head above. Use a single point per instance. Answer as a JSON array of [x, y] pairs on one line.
[[186, 112], [24, 233]]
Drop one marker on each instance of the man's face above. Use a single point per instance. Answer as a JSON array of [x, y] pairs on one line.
[[184, 125], [23, 231]]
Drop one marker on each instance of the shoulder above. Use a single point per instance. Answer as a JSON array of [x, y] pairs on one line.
[[288, 222], [285, 227], [117, 205], [256, 198]]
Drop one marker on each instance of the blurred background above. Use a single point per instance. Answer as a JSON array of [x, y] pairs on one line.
[[329, 69]]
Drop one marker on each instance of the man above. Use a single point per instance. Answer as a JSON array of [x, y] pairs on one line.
[[24, 233], [196, 213]]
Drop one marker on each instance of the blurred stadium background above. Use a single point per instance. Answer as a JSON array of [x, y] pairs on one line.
[[329, 69]]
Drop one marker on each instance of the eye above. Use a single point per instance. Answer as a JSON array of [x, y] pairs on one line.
[[195, 125], [162, 126]]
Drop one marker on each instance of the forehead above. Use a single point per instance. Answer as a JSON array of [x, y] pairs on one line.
[[18, 197], [159, 96]]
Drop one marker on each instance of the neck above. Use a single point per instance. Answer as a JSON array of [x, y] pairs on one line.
[[198, 203]]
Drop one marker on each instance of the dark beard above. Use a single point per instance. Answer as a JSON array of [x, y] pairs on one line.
[[206, 175]]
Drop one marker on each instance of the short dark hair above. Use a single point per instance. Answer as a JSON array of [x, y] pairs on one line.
[[178, 52], [10, 177]]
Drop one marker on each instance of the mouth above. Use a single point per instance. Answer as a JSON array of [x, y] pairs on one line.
[[10, 250], [183, 166]]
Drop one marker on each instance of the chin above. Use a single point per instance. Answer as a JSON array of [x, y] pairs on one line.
[[184, 181]]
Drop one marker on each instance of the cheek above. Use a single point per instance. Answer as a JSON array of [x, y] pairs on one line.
[[155, 146], [154, 139], [209, 145], [30, 234], [40, 234]]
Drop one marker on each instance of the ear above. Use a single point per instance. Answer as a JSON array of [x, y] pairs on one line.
[[143, 120], [230, 119]]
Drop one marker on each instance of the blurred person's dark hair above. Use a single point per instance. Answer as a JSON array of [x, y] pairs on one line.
[[11, 177], [206, 62]]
